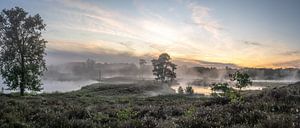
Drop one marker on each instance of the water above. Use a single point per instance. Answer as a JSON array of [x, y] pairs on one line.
[[65, 86], [197, 89], [276, 81], [59, 86], [207, 90]]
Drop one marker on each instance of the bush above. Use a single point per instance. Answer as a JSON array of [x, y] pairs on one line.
[[180, 90], [190, 111], [277, 121], [223, 90], [189, 90], [126, 114]]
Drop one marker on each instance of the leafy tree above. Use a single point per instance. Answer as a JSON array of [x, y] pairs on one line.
[[22, 49], [189, 90], [224, 90], [242, 79], [170, 73], [164, 69], [142, 63], [180, 90], [223, 87]]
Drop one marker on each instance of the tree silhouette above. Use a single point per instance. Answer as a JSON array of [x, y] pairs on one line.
[[22, 49], [163, 68]]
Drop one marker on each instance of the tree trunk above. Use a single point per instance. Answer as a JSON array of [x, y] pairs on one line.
[[22, 85], [22, 89]]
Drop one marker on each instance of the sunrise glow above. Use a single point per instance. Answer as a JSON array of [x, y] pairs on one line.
[[243, 34]]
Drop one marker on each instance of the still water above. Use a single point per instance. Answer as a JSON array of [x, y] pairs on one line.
[[207, 90], [59, 86]]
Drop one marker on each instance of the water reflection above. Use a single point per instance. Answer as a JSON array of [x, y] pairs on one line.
[[206, 90], [197, 89]]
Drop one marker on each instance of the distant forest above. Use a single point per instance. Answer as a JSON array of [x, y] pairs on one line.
[[92, 70], [255, 73]]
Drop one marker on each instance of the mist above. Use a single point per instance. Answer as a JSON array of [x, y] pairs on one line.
[[72, 76]]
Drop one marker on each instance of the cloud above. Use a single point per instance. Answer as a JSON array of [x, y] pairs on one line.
[[62, 56], [89, 17], [217, 64], [252, 43], [291, 53], [288, 64], [62, 52], [201, 17], [86, 6], [150, 27], [127, 45], [202, 63], [102, 31]]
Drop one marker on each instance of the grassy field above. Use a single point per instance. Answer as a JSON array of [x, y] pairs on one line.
[[130, 105]]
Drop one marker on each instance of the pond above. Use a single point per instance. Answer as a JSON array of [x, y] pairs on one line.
[[206, 90]]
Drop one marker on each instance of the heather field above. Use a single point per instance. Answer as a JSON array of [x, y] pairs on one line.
[[130, 106]]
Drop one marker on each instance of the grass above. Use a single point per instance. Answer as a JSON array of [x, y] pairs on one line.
[[128, 106]]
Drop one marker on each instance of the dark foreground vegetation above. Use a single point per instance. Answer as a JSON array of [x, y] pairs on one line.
[[129, 106]]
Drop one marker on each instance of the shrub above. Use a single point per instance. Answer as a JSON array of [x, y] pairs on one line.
[[180, 90], [223, 90], [242, 79], [126, 114], [277, 121], [189, 90], [190, 111]]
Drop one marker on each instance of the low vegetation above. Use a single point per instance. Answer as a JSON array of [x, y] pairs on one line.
[[240, 80], [127, 106]]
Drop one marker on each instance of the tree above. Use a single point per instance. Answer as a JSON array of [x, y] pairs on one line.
[[22, 49], [189, 90], [224, 90], [222, 87], [180, 90], [242, 79], [142, 63], [170, 73], [163, 68]]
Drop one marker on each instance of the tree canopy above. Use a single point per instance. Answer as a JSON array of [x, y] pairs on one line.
[[22, 49], [242, 79], [163, 68]]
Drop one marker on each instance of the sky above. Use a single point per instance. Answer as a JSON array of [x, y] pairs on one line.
[[247, 33]]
